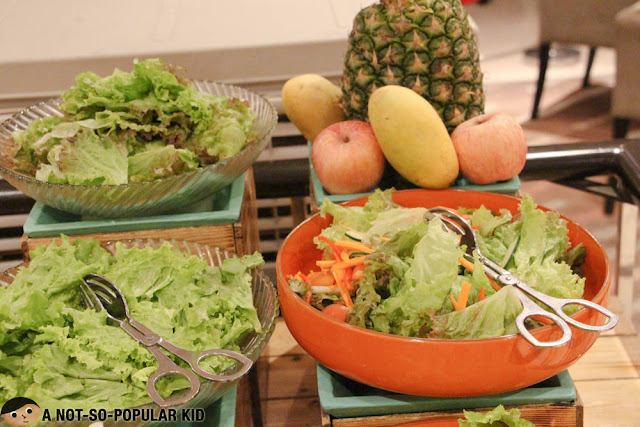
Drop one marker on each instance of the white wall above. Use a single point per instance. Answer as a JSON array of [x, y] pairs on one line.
[[44, 44]]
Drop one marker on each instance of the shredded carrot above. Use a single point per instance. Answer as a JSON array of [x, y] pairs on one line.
[[469, 266], [323, 278], [344, 255], [349, 263], [339, 275], [463, 297], [348, 274], [454, 302], [302, 277], [494, 285], [325, 264], [308, 297], [481, 294], [466, 264], [356, 246], [334, 248], [386, 239]]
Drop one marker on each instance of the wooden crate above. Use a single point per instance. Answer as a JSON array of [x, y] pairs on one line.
[[240, 237], [562, 414]]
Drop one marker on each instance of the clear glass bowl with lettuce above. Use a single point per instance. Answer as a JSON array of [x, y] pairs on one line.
[[387, 269], [134, 143], [63, 355]]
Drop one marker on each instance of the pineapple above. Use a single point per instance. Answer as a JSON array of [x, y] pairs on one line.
[[425, 45]]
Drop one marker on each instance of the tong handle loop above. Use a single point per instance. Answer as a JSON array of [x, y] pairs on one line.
[[245, 364], [557, 305], [167, 367], [529, 309], [611, 316], [193, 358]]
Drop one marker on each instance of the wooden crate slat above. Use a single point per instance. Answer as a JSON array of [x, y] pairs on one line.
[[240, 237]]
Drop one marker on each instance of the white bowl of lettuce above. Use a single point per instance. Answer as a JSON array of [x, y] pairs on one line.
[[134, 143], [63, 355]]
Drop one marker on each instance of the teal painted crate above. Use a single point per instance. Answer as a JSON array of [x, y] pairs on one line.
[[221, 208], [503, 187], [221, 413], [341, 397]]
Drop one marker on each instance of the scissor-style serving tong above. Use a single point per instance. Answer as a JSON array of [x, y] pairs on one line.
[[101, 294], [503, 277]]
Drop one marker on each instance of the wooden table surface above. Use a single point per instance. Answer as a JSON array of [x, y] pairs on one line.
[[607, 379]]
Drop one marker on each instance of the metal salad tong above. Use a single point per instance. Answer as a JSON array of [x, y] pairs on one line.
[[503, 277], [101, 294]]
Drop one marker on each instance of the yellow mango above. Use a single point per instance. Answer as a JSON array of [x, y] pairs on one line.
[[412, 136], [312, 103]]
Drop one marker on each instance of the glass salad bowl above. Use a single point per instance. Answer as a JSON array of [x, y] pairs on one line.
[[139, 198], [428, 366], [252, 345]]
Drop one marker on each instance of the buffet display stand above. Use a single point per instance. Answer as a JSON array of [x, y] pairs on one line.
[[284, 385], [228, 220], [606, 378], [346, 403]]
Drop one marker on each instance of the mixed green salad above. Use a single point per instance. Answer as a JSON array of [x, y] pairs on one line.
[[386, 268], [63, 355], [131, 127]]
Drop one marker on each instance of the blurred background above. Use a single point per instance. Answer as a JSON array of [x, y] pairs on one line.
[[259, 45]]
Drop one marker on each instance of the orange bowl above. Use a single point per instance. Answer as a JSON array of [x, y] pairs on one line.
[[435, 367]]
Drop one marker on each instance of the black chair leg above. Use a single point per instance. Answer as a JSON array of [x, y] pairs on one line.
[[544, 61], [609, 203], [592, 54], [620, 127], [254, 393]]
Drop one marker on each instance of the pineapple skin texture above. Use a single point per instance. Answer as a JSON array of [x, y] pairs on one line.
[[425, 45], [413, 138]]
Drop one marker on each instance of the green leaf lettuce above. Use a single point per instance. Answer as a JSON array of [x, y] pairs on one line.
[[57, 352]]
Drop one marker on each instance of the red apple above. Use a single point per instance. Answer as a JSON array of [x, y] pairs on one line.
[[347, 157], [490, 148]]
